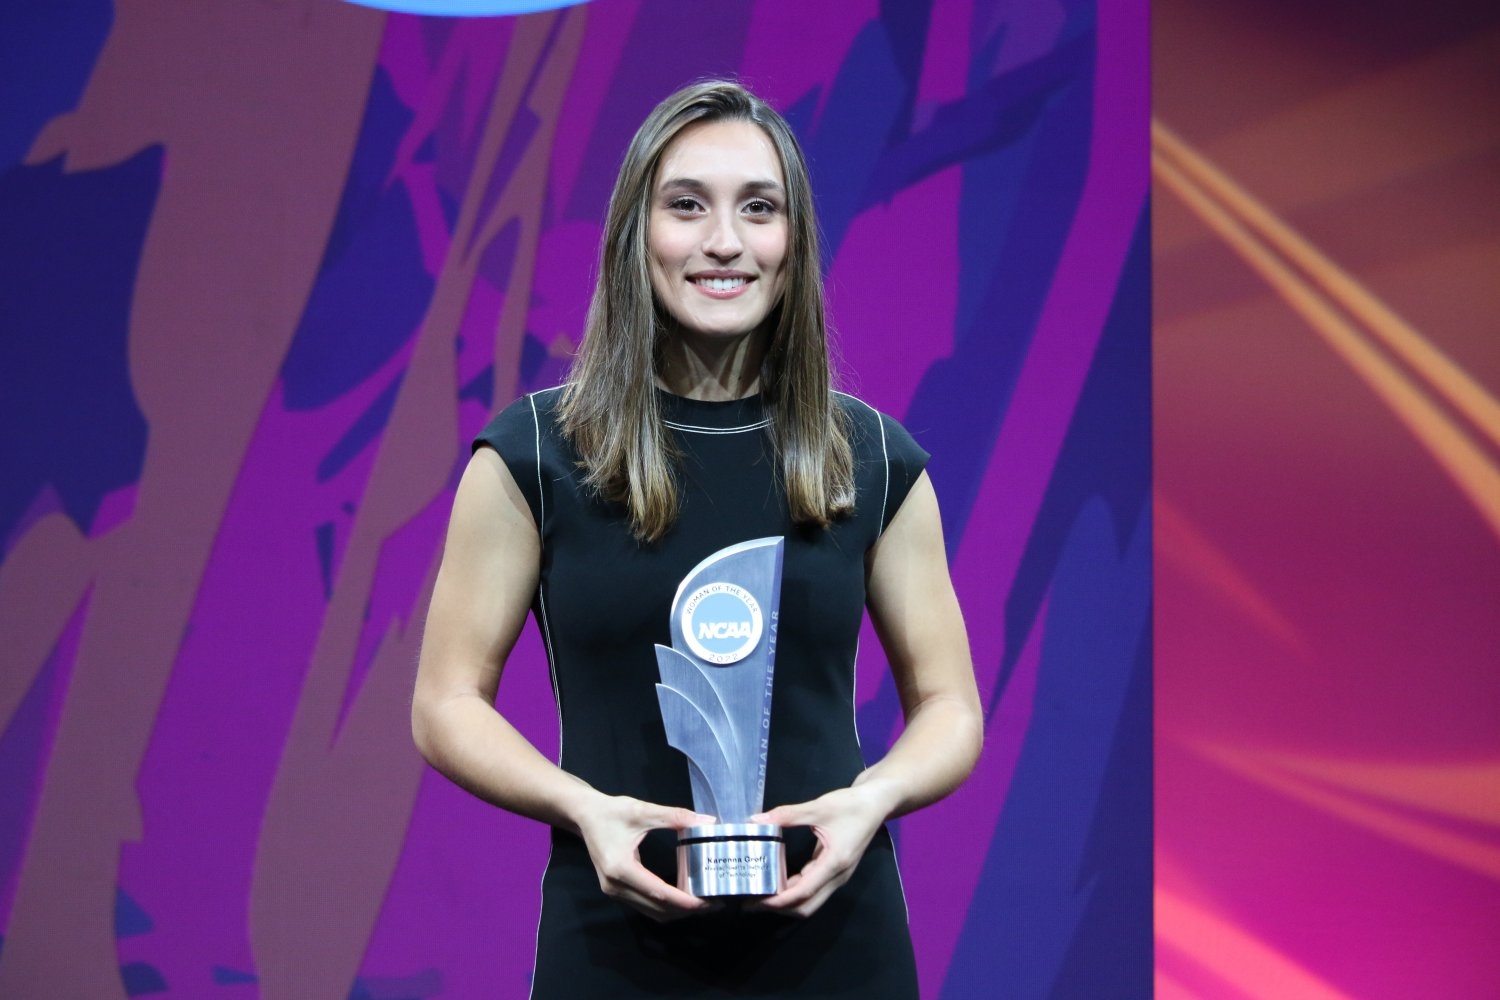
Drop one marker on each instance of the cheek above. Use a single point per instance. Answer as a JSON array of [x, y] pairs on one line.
[[667, 245], [773, 254], [659, 261], [771, 247]]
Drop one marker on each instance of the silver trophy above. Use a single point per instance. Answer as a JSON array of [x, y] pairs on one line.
[[715, 697]]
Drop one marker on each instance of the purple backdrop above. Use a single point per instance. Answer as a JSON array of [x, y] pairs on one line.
[[266, 267]]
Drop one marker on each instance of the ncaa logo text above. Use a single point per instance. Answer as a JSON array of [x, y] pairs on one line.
[[721, 622]]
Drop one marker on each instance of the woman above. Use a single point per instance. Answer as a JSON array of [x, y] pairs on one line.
[[698, 414]]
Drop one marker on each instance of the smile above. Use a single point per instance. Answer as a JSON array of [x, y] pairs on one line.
[[720, 285]]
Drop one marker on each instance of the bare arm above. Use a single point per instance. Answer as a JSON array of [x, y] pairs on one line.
[[917, 616], [491, 562]]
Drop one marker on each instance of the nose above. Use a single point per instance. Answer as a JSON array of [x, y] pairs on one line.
[[722, 242]]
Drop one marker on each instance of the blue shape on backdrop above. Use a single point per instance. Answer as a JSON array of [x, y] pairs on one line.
[[467, 8], [385, 122], [68, 414], [1111, 951], [499, 256], [1112, 946], [1107, 451], [365, 429], [372, 287], [419, 986], [1030, 184], [534, 358], [323, 540], [364, 307], [861, 111], [139, 979], [47, 51], [1065, 894], [130, 919], [907, 23], [225, 976], [1038, 880], [1025, 121], [481, 387]]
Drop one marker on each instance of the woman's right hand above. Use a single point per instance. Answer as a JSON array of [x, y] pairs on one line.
[[613, 830]]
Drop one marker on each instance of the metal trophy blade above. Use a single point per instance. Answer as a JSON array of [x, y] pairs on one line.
[[715, 697]]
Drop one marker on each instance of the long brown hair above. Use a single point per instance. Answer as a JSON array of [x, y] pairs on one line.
[[609, 406]]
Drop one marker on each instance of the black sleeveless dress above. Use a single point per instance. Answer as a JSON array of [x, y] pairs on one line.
[[603, 604]]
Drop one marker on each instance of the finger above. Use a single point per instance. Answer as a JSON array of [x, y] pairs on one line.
[[677, 818], [799, 889], [658, 911], [815, 904], [655, 897], [810, 888], [791, 815], [803, 899], [658, 892]]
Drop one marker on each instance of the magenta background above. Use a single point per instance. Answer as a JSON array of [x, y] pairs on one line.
[[1328, 643]]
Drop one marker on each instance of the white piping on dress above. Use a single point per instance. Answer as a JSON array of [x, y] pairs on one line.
[[546, 627], [541, 597], [697, 429], [880, 528], [885, 457], [853, 705]]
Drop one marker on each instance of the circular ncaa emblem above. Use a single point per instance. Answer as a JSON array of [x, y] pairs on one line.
[[721, 622]]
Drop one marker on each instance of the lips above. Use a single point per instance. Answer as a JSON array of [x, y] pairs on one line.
[[721, 285]]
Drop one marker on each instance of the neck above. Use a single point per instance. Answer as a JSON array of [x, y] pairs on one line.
[[712, 368]]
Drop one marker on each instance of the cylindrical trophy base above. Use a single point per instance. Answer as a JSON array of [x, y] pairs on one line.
[[731, 859]]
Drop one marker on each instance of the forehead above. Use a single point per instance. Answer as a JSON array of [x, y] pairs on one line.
[[720, 151]]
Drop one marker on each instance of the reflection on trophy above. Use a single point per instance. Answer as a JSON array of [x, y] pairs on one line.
[[715, 697]]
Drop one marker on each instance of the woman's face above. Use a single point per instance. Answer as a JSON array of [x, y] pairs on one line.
[[717, 230]]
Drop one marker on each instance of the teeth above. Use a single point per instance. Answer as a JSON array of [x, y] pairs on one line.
[[721, 284]]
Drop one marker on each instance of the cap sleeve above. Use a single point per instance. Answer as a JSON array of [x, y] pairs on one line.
[[516, 433], [887, 460], [904, 462]]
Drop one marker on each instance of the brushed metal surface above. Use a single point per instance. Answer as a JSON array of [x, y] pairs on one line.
[[731, 859], [719, 715]]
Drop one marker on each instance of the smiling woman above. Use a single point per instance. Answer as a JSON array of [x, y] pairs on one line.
[[698, 415], [717, 240]]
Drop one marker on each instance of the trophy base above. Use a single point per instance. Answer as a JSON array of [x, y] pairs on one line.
[[731, 859]]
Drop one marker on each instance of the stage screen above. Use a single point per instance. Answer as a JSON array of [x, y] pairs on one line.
[[265, 269]]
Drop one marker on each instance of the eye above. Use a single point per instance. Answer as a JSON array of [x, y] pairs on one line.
[[684, 205], [759, 206]]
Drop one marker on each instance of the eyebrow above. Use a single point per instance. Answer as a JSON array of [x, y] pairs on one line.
[[697, 186]]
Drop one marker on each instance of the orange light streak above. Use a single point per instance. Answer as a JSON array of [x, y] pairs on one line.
[[1455, 450], [1462, 391], [1234, 955], [1454, 847], [1179, 541], [1468, 792]]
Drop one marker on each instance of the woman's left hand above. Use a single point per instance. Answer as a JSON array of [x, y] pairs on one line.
[[844, 821]]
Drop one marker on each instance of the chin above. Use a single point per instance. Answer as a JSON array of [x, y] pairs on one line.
[[721, 329]]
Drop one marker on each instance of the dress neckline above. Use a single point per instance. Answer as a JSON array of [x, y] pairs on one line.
[[713, 415]]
